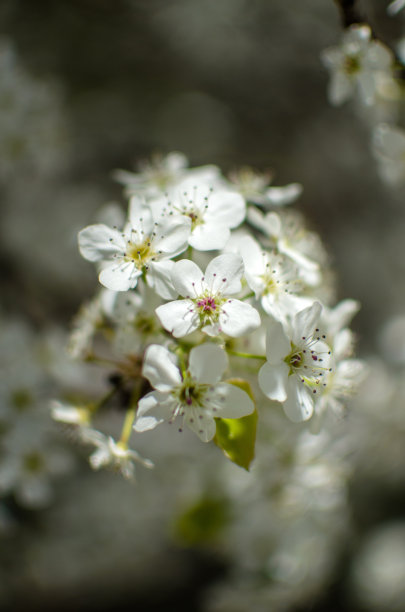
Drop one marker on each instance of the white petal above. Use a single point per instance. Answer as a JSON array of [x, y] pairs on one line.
[[159, 278], [162, 407], [280, 196], [299, 405], [209, 236], [178, 317], [277, 343], [207, 363], [172, 236], [273, 380], [224, 273], [238, 318], [139, 215], [120, 276], [201, 423], [98, 242], [159, 368], [230, 401], [227, 208], [187, 278], [305, 322], [340, 88]]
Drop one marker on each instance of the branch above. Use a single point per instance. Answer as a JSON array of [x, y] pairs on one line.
[[349, 12]]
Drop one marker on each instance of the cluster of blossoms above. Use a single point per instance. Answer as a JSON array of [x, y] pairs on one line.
[[213, 297], [364, 69]]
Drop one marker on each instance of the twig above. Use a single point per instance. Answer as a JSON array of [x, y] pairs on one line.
[[350, 13]]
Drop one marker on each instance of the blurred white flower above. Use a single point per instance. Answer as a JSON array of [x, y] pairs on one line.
[[355, 64]]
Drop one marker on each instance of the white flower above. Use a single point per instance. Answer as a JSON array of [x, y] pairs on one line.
[[212, 214], [290, 238], [298, 363], [144, 246], [195, 394], [163, 173], [389, 150], [355, 65], [110, 453], [254, 187], [273, 278], [135, 321], [207, 305], [395, 7]]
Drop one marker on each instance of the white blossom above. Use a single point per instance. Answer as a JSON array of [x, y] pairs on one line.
[[162, 173], [110, 453], [298, 363], [144, 246], [355, 64], [212, 214], [254, 187], [273, 278], [194, 394], [207, 305]]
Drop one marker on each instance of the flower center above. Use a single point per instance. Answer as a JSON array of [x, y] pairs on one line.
[[190, 393], [351, 64], [208, 307], [295, 359], [141, 253]]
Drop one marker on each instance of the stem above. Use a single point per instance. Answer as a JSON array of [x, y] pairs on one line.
[[190, 252], [246, 355], [127, 427], [247, 296]]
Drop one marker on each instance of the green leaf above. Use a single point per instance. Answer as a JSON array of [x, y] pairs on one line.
[[237, 437], [202, 522]]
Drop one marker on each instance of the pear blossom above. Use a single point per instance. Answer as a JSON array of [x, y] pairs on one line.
[[273, 278], [290, 238], [196, 394], [298, 363], [136, 324], [254, 187], [162, 173], [71, 414], [143, 247], [355, 64], [207, 305], [110, 453], [212, 214]]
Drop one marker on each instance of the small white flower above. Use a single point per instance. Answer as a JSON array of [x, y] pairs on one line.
[[144, 246], [287, 233], [355, 64], [110, 453], [207, 305], [254, 187], [298, 363], [195, 394], [162, 174], [212, 214], [136, 324], [274, 280]]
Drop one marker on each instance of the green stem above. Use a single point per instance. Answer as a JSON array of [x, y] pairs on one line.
[[127, 426], [247, 296], [246, 355]]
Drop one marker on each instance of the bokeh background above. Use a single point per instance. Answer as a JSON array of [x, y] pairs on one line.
[[97, 85]]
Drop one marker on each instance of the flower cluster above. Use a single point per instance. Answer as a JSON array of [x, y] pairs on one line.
[[208, 305]]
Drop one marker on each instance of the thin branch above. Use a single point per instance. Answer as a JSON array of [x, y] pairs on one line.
[[349, 12]]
